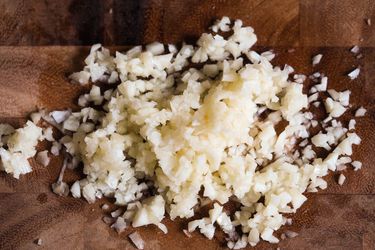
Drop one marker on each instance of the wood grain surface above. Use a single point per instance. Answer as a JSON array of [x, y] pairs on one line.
[[41, 43]]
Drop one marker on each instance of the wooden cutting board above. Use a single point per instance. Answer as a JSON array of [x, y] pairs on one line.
[[33, 74]]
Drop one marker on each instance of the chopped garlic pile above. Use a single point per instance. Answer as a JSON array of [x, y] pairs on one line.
[[20, 146], [173, 130]]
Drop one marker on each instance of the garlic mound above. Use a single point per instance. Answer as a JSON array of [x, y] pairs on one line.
[[190, 129], [207, 131], [201, 129]]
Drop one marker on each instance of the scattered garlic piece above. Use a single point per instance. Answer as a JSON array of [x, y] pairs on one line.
[[137, 240], [42, 158], [354, 74], [341, 179], [360, 112], [316, 59]]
